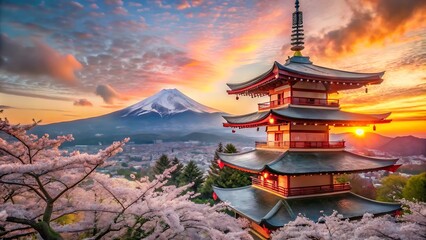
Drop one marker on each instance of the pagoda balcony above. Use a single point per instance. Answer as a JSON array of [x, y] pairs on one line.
[[301, 144], [322, 102], [300, 191]]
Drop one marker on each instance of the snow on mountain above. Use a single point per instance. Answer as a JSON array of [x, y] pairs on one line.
[[166, 102]]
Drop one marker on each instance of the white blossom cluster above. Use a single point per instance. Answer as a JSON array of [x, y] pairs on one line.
[[410, 225], [41, 186]]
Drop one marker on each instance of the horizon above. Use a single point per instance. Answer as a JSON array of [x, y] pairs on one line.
[[79, 59]]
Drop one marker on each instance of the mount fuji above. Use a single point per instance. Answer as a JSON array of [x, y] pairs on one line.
[[167, 115], [166, 102]]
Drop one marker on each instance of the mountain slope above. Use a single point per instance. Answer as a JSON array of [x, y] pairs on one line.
[[167, 112], [405, 146], [369, 140]]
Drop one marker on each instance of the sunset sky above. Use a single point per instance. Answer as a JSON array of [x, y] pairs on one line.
[[66, 60]]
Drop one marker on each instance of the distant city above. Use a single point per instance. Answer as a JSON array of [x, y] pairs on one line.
[[143, 156]]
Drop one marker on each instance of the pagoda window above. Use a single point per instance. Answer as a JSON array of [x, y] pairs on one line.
[[309, 137], [280, 99], [283, 181], [309, 133], [309, 86], [277, 136], [308, 181], [279, 96]]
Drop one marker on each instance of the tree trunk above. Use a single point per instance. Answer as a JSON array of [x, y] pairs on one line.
[[46, 232]]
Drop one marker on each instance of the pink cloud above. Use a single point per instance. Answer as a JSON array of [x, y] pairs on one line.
[[183, 5], [135, 4], [120, 11], [38, 59]]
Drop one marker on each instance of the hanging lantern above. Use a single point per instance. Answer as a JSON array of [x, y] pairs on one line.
[[271, 121], [233, 131], [237, 97], [214, 196], [257, 129], [374, 127], [265, 175], [220, 164], [366, 89]]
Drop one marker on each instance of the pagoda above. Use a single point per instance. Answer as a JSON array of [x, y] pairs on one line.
[[296, 169]]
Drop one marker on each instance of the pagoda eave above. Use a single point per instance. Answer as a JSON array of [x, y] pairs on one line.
[[305, 163], [294, 71], [391, 168], [318, 122], [272, 211], [265, 120], [332, 79]]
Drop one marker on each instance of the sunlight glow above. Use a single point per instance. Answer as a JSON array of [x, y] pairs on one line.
[[359, 132]]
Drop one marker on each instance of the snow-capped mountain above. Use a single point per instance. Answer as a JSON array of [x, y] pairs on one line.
[[167, 112], [166, 102]]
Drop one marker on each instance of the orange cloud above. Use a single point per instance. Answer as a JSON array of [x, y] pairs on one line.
[[222, 48], [183, 5], [377, 22], [39, 59]]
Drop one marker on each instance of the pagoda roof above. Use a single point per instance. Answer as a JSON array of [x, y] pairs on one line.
[[298, 68], [290, 113], [270, 210], [300, 163]]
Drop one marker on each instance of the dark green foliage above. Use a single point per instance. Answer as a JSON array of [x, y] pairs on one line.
[[226, 177], [231, 178], [415, 188], [192, 174], [230, 148], [161, 164], [391, 188], [174, 178]]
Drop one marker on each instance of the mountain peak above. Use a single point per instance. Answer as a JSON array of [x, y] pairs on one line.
[[166, 102]]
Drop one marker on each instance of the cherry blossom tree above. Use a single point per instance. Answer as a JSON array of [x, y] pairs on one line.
[[411, 225], [40, 184]]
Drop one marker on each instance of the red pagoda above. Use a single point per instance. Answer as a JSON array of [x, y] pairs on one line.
[[297, 168]]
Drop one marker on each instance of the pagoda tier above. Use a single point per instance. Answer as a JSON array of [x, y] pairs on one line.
[[305, 163], [303, 115], [267, 210], [300, 69]]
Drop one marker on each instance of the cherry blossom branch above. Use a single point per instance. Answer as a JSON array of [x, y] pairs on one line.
[[75, 184], [13, 155], [24, 185], [3, 233]]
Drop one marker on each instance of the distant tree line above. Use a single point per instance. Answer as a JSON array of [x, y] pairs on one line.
[[393, 187], [202, 184]]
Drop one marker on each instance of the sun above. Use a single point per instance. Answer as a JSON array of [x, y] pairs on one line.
[[360, 132]]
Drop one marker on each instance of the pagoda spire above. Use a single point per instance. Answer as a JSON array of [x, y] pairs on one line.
[[297, 35]]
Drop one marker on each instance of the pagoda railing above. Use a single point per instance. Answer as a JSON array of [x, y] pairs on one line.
[[317, 144], [273, 144], [299, 101], [269, 185], [298, 191], [301, 144]]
